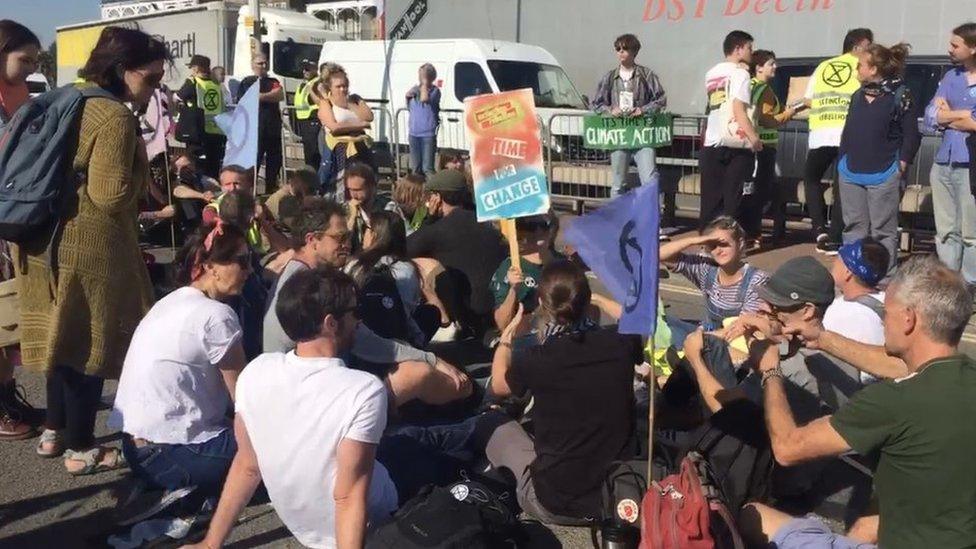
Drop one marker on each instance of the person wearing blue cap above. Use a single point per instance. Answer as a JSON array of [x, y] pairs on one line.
[[858, 310]]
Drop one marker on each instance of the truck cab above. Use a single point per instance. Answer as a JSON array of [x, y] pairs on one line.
[[289, 39]]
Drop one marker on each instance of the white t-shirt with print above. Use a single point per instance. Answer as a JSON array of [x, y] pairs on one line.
[[297, 410], [723, 82], [857, 322], [171, 391]]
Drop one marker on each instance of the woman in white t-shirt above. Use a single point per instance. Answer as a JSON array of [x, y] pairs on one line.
[[174, 400]]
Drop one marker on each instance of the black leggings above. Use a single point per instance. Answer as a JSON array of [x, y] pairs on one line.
[[818, 161], [72, 402], [765, 191]]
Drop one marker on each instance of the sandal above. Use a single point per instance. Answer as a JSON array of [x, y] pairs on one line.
[[93, 460], [52, 437]]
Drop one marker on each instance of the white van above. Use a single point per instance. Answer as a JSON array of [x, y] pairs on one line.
[[465, 67]]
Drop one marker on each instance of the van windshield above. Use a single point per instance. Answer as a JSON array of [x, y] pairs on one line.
[[549, 83], [288, 56]]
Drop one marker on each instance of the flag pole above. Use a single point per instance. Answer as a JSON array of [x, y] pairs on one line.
[[169, 197]]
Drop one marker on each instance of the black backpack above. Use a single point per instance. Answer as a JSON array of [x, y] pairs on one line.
[[735, 444], [380, 306], [465, 515]]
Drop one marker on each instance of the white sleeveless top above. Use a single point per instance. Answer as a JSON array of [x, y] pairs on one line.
[[343, 115]]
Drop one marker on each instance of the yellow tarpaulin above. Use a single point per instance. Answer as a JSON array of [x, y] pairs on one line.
[[75, 45]]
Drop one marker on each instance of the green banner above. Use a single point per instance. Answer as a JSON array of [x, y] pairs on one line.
[[626, 132]]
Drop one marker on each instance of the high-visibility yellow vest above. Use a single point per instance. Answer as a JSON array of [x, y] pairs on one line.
[[303, 109], [210, 98], [834, 82], [769, 136]]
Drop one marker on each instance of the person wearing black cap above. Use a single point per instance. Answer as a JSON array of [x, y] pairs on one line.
[[469, 251], [203, 100]]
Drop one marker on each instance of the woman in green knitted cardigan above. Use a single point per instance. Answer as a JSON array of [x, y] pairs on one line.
[[78, 320]]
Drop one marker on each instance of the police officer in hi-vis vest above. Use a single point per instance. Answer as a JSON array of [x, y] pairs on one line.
[[306, 107], [829, 96], [202, 100]]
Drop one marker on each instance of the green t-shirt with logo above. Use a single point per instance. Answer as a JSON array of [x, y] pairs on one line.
[[526, 294], [921, 430]]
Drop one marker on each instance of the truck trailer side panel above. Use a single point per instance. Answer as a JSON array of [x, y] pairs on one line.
[[682, 38]]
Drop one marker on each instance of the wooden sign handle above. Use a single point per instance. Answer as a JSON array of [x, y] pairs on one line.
[[508, 229]]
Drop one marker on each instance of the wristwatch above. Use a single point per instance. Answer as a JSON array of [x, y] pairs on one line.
[[774, 372]]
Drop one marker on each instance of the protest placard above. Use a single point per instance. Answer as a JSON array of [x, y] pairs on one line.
[[627, 132], [506, 155]]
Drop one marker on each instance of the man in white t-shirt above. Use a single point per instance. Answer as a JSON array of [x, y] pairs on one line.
[[308, 426], [858, 312], [724, 168]]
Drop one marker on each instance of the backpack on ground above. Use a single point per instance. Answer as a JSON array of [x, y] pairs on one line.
[[380, 306], [465, 515], [35, 155], [735, 443], [686, 511]]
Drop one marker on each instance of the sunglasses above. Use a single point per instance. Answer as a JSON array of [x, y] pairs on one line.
[[341, 238], [621, 48]]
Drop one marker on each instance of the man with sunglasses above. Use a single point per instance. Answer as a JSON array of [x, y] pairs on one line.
[[630, 90], [322, 238], [269, 118]]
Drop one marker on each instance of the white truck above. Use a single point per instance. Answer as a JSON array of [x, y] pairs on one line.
[[383, 71], [219, 30]]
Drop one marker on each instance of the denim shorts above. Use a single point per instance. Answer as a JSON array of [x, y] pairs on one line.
[[810, 533]]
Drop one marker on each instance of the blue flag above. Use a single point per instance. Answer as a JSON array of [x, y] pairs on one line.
[[241, 128], [620, 243]]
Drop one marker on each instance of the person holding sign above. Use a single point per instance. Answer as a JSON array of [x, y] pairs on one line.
[[514, 285], [630, 90]]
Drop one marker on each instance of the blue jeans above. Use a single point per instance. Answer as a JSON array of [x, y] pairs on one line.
[[646, 160], [417, 456], [173, 466], [955, 219], [422, 154]]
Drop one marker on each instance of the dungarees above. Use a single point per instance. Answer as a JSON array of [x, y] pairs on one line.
[[713, 315]]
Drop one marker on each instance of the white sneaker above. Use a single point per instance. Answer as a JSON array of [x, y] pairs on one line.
[[445, 334]]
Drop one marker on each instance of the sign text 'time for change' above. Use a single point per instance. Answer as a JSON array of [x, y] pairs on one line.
[[678, 10]]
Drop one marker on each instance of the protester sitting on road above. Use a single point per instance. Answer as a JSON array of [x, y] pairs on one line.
[[385, 251], [363, 201], [514, 286], [321, 238], [803, 288], [345, 119], [630, 90], [469, 251], [262, 235], [858, 310], [193, 191], [77, 323], [408, 201], [581, 377], [451, 159], [879, 141], [19, 48], [308, 426], [298, 185], [179, 376], [728, 283], [913, 426]]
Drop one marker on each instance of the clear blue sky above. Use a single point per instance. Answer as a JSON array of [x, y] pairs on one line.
[[43, 16]]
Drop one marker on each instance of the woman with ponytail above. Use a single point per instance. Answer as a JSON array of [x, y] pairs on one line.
[[581, 377], [879, 142], [177, 385]]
